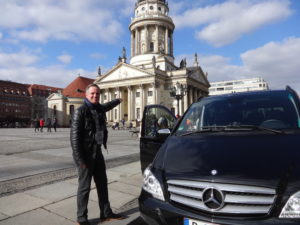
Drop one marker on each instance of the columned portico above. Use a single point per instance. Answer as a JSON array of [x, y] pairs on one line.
[[146, 79]]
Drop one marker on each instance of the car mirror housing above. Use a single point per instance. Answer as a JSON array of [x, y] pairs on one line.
[[164, 131]]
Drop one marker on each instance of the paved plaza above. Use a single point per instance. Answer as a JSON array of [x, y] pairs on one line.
[[28, 158], [38, 177]]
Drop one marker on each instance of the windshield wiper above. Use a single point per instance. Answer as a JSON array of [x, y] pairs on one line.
[[254, 127], [232, 128], [205, 129]]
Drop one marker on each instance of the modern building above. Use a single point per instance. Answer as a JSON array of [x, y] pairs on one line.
[[15, 104], [232, 86], [150, 73], [62, 104]]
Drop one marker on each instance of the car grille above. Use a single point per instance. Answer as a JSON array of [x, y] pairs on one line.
[[233, 198]]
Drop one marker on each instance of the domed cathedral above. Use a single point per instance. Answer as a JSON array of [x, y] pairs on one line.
[[151, 75]]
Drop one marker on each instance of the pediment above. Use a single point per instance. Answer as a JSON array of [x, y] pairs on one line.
[[199, 76], [55, 96], [122, 72]]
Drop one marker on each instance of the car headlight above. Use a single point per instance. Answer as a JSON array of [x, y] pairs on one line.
[[292, 207], [152, 185]]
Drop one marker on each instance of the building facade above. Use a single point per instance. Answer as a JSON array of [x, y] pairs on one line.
[[150, 72], [15, 104], [232, 86], [62, 104]]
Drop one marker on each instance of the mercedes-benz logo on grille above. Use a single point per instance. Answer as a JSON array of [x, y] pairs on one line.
[[213, 199]]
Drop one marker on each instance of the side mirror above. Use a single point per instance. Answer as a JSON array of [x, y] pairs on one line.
[[164, 132]]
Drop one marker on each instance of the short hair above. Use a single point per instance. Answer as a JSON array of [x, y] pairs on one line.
[[91, 85]]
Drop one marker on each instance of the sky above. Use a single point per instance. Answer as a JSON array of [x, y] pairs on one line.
[[51, 42]]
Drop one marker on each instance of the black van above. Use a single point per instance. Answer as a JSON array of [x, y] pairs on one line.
[[230, 159]]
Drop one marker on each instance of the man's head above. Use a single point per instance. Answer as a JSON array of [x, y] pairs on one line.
[[92, 93]]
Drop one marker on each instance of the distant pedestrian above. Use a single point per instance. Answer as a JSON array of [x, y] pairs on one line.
[[54, 123], [36, 125], [48, 125], [123, 123], [42, 124]]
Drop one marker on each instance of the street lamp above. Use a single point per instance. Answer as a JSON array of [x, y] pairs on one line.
[[177, 92]]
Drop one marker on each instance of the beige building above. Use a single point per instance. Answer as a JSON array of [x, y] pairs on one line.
[[151, 72], [146, 78], [61, 105]]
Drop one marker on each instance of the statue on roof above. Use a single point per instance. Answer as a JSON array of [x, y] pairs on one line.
[[124, 52], [153, 62], [183, 63], [99, 71]]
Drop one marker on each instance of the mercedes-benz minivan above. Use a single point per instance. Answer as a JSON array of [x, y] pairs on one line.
[[230, 159]]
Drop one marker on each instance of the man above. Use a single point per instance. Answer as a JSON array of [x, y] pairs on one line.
[[88, 134]]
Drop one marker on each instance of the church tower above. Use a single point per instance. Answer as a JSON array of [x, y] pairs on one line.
[[152, 35]]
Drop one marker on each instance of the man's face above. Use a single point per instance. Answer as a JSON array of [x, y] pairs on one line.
[[93, 95]]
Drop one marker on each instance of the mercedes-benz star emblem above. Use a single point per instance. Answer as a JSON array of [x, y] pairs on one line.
[[213, 199], [214, 172]]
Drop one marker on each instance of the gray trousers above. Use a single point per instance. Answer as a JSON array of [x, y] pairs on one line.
[[97, 170]]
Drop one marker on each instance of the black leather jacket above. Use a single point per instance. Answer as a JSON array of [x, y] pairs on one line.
[[83, 130]]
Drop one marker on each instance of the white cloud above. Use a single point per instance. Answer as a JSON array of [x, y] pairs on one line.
[[226, 22], [276, 62], [55, 75], [74, 20], [22, 67], [12, 60], [65, 58]]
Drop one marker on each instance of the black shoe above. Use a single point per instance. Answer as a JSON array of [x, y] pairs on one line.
[[111, 217]]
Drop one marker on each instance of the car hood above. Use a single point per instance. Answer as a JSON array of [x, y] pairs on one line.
[[250, 158]]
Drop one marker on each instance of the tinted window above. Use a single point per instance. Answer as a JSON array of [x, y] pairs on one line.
[[274, 110]]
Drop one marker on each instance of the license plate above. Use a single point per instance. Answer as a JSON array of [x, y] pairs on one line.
[[196, 222]]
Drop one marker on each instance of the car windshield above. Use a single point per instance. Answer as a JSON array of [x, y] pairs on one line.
[[270, 110]]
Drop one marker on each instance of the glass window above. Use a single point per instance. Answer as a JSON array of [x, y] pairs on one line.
[[137, 94], [151, 46], [150, 93], [276, 110], [157, 118]]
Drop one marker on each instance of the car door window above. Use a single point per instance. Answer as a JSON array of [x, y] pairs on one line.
[[156, 119]]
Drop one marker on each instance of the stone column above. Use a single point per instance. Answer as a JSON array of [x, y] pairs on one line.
[[191, 94], [185, 102], [146, 39], [130, 103], [166, 41], [157, 39], [142, 99], [136, 42], [156, 97], [171, 43], [119, 106], [132, 44], [107, 100]]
